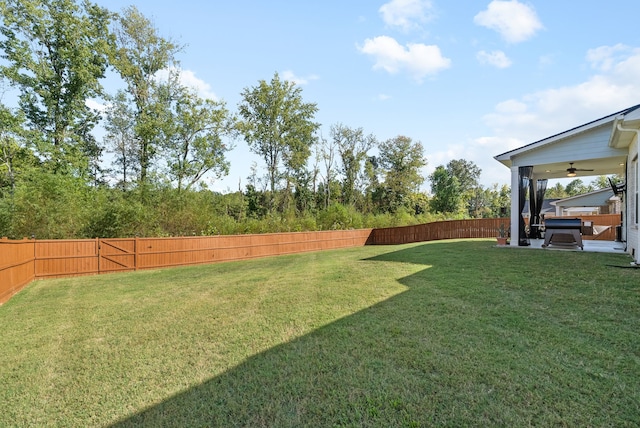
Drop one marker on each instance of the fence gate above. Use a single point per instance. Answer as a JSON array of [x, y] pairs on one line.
[[116, 255]]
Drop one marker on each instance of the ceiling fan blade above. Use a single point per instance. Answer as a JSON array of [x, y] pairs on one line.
[[573, 170]]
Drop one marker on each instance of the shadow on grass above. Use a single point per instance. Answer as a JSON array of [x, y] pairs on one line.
[[458, 348]]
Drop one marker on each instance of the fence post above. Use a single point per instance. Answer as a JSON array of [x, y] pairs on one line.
[[98, 253], [35, 262], [135, 253]]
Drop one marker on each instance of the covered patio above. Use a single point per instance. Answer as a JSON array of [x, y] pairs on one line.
[[606, 146]]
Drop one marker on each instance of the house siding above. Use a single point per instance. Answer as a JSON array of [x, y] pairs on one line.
[[633, 235], [593, 145]]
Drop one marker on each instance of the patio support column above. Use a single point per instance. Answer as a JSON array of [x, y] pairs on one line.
[[515, 207]]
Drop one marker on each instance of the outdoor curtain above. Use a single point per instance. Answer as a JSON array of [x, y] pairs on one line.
[[524, 175], [542, 188], [536, 199]]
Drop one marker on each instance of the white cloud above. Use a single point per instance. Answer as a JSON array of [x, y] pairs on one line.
[[383, 97], [534, 116], [604, 57], [95, 105], [498, 144], [417, 59], [511, 107], [495, 58], [291, 77], [515, 21], [542, 114], [406, 14], [188, 78]]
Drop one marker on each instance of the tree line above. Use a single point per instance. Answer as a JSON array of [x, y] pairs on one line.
[[164, 139]]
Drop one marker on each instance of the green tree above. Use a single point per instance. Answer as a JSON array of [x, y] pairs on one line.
[[278, 126], [401, 161], [328, 153], [446, 191], [140, 54], [479, 202], [353, 146], [501, 201], [193, 141], [120, 139], [13, 150], [491, 202], [51, 206], [56, 53], [577, 187], [602, 181], [468, 175], [373, 191], [556, 192]]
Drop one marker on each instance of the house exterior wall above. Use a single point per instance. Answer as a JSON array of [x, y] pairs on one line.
[[633, 179], [593, 145]]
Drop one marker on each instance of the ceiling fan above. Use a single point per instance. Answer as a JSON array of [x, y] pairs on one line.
[[571, 171]]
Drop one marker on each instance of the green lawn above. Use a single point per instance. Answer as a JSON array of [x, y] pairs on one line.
[[449, 333]]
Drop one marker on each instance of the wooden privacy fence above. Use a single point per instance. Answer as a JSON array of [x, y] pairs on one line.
[[23, 261], [475, 228], [600, 221], [449, 229], [16, 266]]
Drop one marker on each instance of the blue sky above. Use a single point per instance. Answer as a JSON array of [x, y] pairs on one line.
[[468, 79]]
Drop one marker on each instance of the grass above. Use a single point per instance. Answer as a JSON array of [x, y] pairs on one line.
[[451, 333]]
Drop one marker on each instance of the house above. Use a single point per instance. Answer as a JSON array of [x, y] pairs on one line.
[[602, 201], [548, 207], [605, 146]]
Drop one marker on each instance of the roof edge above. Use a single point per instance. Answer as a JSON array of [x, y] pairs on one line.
[[506, 156]]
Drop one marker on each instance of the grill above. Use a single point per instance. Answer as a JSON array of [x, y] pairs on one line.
[[563, 231]]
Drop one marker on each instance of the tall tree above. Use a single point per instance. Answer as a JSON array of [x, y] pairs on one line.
[[577, 187], [490, 202], [401, 160], [328, 153], [194, 138], [278, 126], [602, 181], [353, 146], [468, 175], [140, 54], [12, 146], [120, 139], [56, 53], [447, 195], [556, 192], [373, 193]]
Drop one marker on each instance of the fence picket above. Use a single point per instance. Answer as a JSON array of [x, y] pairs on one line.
[[25, 260]]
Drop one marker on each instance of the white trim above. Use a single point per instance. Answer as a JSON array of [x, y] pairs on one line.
[[505, 158], [515, 207]]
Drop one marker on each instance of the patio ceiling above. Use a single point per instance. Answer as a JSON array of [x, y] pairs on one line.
[[600, 166]]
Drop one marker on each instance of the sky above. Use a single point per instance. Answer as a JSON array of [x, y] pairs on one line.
[[468, 79]]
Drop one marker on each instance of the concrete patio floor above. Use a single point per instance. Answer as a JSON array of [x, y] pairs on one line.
[[594, 246]]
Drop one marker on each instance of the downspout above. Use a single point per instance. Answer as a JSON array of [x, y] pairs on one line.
[[626, 178]]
